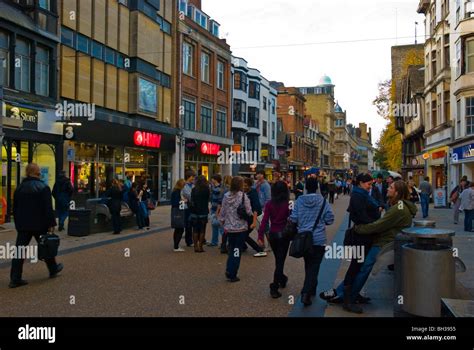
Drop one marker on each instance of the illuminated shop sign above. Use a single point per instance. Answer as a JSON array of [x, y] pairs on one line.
[[211, 149], [147, 139]]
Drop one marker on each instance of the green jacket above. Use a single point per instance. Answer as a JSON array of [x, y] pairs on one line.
[[397, 217]]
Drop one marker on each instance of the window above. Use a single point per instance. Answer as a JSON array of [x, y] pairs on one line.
[[470, 56], [458, 58], [458, 11], [67, 37], [240, 111], [22, 65], [120, 61], [434, 115], [83, 43], [433, 64], [254, 90], [220, 75], [206, 120], [447, 106], [45, 4], [109, 56], [4, 58], [447, 55], [273, 130], [183, 6], [265, 129], [166, 27], [189, 115], [253, 120], [238, 137], [264, 103], [200, 18], [215, 29], [252, 144], [188, 59], [221, 122], [205, 63], [97, 50], [240, 81], [147, 96], [438, 55], [273, 106], [470, 115], [458, 118], [42, 71]]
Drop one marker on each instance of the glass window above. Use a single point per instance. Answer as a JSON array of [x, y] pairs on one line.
[[470, 115], [264, 128], [253, 121], [240, 81], [252, 143], [97, 50], [264, 103], [43, 155], [189, 115], [67, 37], [206, 120], [147, 96], [254, 90], [42, 71], [188, 53], [83, 43], [273, 130], [470, 56], [45, 4], [183, 6], [215, 29], [166, 80], [166, 27], [4, 58], [221, 123], [205, 63], [22, 65], [220, 75], [240, 111], [109, 56]]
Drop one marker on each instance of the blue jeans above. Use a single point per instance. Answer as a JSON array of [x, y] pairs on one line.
[[425, 204], [236, 243], [62, 216], [468, 216], [362, 275]]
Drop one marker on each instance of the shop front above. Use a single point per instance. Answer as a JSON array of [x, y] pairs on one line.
[[99, 152], [31, 134], [436, 163], [203, 158], [462, 163]]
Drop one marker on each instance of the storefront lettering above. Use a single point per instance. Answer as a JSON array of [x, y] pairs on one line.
[[464, 152], [211, 149], [29, 117], [147, 139]]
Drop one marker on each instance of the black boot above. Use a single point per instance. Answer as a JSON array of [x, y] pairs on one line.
[[348, 305], [196, 242], [306, 299], [283, 282], [274, 291]]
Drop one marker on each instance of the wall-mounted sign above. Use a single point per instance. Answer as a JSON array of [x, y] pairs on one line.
[[147, 139], [29, 117], [211, 149], [190, 145], [426, 156], [264, 153], [463, 153], [438, 155]]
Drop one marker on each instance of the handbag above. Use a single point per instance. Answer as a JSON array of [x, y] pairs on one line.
[[48, 246], [290, 230], [352, 238], [241, 211], [150, 204], [177, 218], [303, 242]]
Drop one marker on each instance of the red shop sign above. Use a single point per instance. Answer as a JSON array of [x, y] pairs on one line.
[[211, 149], [147, 139]]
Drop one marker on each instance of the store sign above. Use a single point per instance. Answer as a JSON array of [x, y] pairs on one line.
[[190, 145], [29, 117], [264, 153], [463, 153], [426, 156], [439, 198], [147, 139], [438, 155], [211, 149]]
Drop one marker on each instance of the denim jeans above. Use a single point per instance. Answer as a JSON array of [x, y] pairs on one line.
[[468, 216], [425, 204], [62, 216], [312, 263], [236, 242], [363, 275], [217, 230]]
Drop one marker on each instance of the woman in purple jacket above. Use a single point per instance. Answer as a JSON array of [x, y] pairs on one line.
[[277, 211]]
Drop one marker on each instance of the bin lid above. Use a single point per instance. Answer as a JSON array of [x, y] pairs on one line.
[[424, 223], [428, 232]]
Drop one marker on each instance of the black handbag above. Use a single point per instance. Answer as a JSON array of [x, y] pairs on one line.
[[48, 246], [303, 242], [241, 211], [177, 218], [290, 230], [352, 238]]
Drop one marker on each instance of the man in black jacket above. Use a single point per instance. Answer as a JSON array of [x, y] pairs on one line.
[[34, 216]]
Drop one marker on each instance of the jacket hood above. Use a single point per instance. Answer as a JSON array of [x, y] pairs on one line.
[[411, 207], [234, 199], [311, 200]]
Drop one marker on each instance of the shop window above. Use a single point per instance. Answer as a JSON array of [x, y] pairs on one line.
[[44, 156], [147, 96], [22, 65]]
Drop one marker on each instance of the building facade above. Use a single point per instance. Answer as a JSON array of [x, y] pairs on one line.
[[204, 91]]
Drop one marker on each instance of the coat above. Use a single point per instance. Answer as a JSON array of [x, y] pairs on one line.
[[62, 193]]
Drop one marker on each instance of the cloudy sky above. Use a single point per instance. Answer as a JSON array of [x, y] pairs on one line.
[[298, 41]]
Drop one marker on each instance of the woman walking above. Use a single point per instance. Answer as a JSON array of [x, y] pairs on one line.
[[200, 195], [227, 184], [235, 210], [252, 195], [178, 209], [145, 198], [276, 213], [115, 205], [134, 203]]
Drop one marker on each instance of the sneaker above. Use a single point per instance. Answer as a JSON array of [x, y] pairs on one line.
[[179, 250], [362, 300], [233, 280], [16, 284], [59, 268], [328, 295], [260, 255]]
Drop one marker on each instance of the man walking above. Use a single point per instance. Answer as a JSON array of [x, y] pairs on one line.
[[426, 191], [62, 193], [34, 216], [467, 203], [455, 198], [186, 194], [263, 188]]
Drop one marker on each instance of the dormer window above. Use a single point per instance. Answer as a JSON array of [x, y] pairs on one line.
[[183, 6], [201, 19], [215, 28]]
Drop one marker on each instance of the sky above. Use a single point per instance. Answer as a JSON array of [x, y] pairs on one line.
[[298, 41]]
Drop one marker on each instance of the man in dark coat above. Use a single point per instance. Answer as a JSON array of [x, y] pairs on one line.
[[34, 216], [62, 193]]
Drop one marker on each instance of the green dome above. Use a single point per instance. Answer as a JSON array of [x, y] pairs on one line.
[[325, 80]]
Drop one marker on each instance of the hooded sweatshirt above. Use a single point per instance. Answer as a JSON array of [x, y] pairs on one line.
[[305, 213], [397, 217], [228, 214]]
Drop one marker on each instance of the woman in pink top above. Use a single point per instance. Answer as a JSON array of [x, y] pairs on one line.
[[277, 212]]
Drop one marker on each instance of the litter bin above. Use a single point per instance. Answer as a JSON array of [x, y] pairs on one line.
[[80, 222], [428, 271]]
